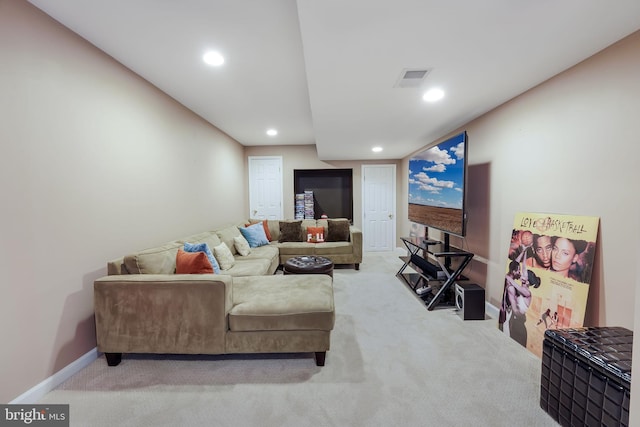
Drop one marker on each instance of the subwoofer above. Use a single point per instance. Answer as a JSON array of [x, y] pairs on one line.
[[469, 301]]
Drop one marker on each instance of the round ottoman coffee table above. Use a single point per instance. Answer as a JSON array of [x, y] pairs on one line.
[[308, 264]]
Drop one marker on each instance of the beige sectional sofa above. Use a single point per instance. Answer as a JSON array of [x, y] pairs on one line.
[[142, 306]]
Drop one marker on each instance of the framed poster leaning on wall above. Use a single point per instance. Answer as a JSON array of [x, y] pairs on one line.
[[547, 275]]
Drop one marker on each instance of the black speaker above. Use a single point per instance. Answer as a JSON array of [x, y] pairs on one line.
[[470, 301], [427, 267]]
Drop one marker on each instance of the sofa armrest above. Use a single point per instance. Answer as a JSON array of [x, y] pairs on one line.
[[116, 267], [356, 239], [157, 313]]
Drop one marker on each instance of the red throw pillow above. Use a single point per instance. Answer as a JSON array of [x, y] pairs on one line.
[[266, 230], [265, 226], [317, 234], [193, 263]]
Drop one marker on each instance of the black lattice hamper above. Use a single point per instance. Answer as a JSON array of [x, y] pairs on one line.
[[586, 376]]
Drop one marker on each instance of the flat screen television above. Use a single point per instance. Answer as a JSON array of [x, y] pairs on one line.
[[437, 186]]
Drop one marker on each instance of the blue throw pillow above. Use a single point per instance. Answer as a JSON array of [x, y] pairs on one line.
[[255, 235], [203, 247]]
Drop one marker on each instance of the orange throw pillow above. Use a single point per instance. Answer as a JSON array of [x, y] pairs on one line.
[[315, 232], [266, 230], [193, 263]]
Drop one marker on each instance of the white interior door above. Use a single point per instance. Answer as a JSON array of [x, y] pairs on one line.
[[378, 207], [265, 187]]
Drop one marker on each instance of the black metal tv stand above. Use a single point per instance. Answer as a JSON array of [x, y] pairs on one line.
[[426, 271]]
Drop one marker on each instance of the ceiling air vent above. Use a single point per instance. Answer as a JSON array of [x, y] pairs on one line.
[[412, 77]]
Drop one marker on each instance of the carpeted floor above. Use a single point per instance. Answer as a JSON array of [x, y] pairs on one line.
[[391, 363]]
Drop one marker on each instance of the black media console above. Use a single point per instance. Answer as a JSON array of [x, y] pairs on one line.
[[432, 282], [430, 269]]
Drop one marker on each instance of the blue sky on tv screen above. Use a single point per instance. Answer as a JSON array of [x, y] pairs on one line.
[[436, 175]]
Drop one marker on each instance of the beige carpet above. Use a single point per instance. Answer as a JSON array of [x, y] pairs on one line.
[[392, 363]]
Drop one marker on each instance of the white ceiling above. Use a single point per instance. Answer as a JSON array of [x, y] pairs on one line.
[[323, 71]]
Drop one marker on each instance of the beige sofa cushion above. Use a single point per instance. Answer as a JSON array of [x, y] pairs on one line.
[[227, 234], [306, 223], [249, 267], [158, 260], [269, 252], [282, 303], [208, 237], [334, 248], [274, 229], [297, 248]]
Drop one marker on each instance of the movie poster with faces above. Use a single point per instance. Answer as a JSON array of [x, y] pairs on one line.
[[547, 275]]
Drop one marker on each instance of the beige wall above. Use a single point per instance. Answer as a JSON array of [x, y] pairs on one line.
[[94, 163], [306, 157], [568, 146]]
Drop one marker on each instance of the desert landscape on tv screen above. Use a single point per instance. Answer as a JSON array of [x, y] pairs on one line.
[[447, 219]]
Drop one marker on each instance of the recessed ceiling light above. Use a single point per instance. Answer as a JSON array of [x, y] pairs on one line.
[[376, 149], [272, 132], [433, 95], [213, 58]]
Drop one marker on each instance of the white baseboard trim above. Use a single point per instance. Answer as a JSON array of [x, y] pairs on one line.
[[33, 395], [491, 310]]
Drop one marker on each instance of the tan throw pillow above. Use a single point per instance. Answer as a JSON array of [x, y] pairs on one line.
[[224, 256], [290, 231], [242, 246], [338, 230]]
